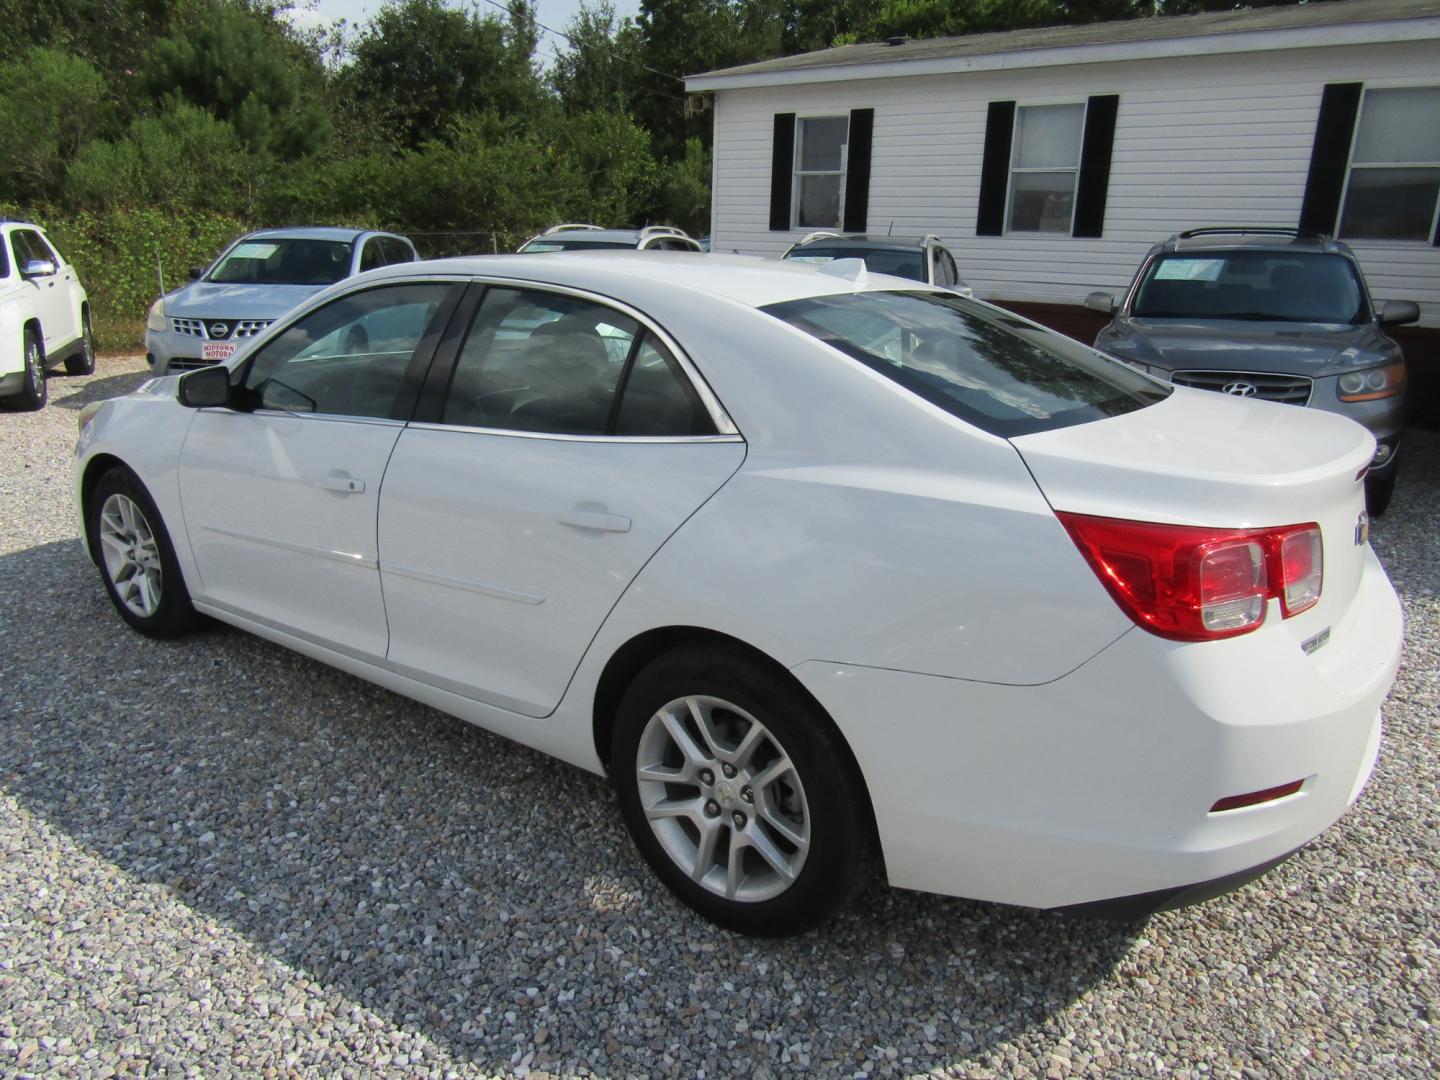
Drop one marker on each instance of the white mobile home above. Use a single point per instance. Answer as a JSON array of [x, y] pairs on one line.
[[1050, 160]]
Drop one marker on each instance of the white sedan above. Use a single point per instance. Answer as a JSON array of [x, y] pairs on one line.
[[826, 571]]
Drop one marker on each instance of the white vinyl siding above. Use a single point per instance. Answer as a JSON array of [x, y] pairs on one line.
[[1207, 140]]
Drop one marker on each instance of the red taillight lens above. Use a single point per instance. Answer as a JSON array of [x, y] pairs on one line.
[[1302, 562], [1199, 584]]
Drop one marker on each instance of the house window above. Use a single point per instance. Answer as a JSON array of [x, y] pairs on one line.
[[821, 143], [1044, 168], [1394, 179]]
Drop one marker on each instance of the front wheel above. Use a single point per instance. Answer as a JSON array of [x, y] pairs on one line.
[[137, 560], [738, 792], [35, 391], [1379, 489], [83, 362]]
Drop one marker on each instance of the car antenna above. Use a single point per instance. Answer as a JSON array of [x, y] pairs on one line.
[[891, 231], [159, 272]]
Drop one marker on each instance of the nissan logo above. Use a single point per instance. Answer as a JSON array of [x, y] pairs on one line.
[[219, 329], [1239, 389]]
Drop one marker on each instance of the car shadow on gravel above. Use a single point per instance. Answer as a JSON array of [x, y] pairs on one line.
[[101, 389], [463, 886]]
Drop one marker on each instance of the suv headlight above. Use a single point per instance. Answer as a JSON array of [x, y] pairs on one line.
[[155, 317], [1372, 383]]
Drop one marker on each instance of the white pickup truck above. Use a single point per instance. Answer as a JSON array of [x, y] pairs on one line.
[[44, 315]]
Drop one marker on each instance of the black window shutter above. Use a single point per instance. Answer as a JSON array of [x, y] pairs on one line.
[[857, 170], [995, 170], [1329, 156], [1094, 183], [782, 171]]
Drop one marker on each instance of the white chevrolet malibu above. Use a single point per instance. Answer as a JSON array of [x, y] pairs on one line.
[[821, 569]]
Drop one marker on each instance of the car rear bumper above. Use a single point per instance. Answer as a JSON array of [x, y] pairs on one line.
[[1098, 786]]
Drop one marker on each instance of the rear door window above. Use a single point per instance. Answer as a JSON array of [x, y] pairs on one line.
[[993, 370], [555, 364]]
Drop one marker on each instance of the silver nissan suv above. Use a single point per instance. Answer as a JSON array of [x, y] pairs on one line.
[[1274, 313]]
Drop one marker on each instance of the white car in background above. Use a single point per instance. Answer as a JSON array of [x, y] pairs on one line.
[[822, 567], [44, 315]]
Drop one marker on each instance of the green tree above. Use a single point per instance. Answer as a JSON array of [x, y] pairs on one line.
[[181, 159], [421, 65], [51, 104], [683, 193], [599, 62], [243, 67]]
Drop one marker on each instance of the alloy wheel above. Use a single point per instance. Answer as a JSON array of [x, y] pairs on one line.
[[723, 798], [132, 555]]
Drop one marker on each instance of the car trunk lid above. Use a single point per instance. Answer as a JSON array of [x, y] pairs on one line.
[[1205, 459]]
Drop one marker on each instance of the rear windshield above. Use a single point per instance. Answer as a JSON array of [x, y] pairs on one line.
[[574, 245], [906, 264], [1269, 286], [280, 261], [993, 370]]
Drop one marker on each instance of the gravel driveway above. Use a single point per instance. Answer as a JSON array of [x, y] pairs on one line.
[[217, 856]]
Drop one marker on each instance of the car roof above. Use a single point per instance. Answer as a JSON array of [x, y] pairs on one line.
[[316, 232], [591, 236], [868, 242], [747, 279]]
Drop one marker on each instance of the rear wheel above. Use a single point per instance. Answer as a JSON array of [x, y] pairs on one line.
[[83, 362], [137, 560], [738, 793]]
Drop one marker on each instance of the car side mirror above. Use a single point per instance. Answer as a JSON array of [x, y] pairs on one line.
[[1399, 312], [41, 268], [205, 388], [196, 273], [1101, 302]]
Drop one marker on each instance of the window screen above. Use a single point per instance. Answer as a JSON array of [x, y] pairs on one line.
[[1045, 164], [821, 143], [1394, 176]]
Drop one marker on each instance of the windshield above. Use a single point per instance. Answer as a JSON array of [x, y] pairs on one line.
[[574, 245], [1274, 286], [906, 264], [994, 370], [280, 261]]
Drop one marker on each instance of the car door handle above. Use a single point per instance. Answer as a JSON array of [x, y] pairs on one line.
[[590, 519], [346, 485]]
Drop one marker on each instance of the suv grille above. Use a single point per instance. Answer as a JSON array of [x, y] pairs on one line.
[[186, 363], [219, 329], [1287, 389]]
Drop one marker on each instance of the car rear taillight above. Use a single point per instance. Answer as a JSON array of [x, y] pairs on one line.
[[1199, 584]]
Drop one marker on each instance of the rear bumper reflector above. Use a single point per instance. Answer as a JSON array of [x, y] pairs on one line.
[[1255, 798]]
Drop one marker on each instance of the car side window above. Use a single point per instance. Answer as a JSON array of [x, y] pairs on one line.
[[4, 257], [658, 398], [542, 362], [349, 358], [372, 255], [396, 250], [945, 272], [30, 245]]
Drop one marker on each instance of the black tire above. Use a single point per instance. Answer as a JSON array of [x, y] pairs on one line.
[[173, 614], [839, 858], [1379, 489], [83, 362], [36, 391]]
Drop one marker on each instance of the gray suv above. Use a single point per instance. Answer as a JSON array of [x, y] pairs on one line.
[[1273, 313]]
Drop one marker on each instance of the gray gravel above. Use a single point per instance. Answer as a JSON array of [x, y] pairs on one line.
[[219, 857]]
